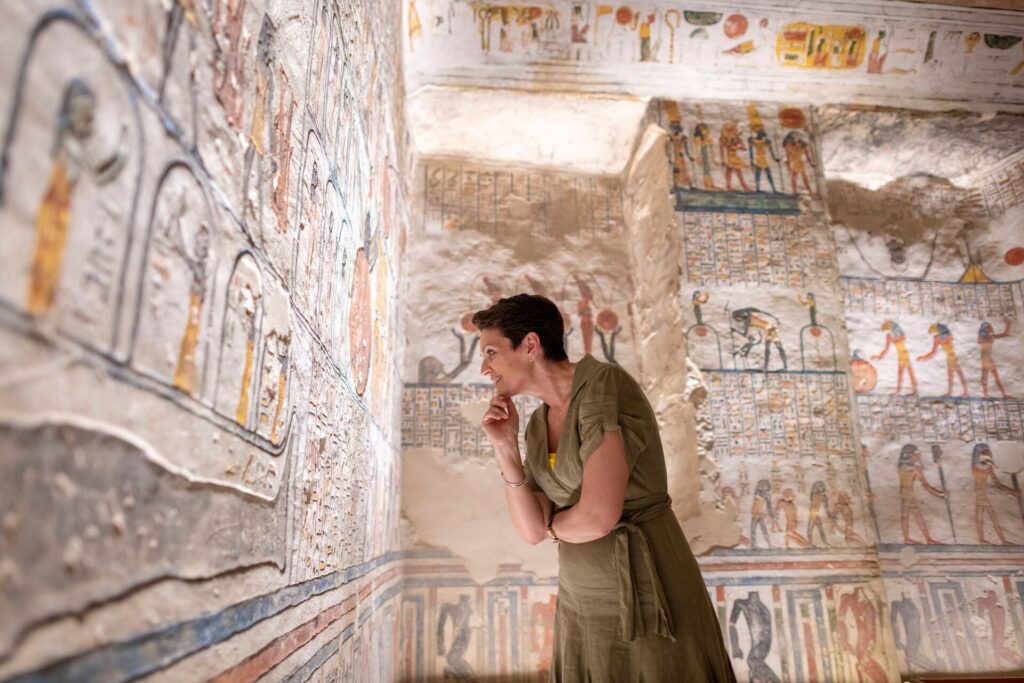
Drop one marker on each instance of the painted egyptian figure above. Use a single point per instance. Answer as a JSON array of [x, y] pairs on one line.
[[798, 159], [990, 607], [274, 384], [857, 609], [896, 338], [730, 144], [759, 627], [680, 153], [911, 470], [943, 338], [698, 299], [983, 471], [819, 508], [986, 339], [761, 510], [702, 140], [843, 511], [787, 506], [246, 311], [72, 158], [760, 148], [186, 373]]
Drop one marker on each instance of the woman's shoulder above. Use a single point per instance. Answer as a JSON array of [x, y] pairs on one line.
[[604, 377]]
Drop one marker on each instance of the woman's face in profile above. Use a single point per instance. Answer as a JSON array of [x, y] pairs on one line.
[[506, 367]]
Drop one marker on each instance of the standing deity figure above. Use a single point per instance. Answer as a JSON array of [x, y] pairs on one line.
[[788, 509], [760, 148], [911, 470], [812, 306], [986, 339], [896, 338], [759, 626], [983, 471], [705, 147], [761, 510], [586, 313], [876, 58], [943, 338], [73, 157], [730, 144], [819, 507], [680, 153], [798, 158], [698, 299]]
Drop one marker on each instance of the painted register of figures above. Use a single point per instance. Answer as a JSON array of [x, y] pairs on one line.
[[911, 52], [197, 324]]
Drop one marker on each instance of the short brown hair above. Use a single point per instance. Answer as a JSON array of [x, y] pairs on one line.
[[517, 316]]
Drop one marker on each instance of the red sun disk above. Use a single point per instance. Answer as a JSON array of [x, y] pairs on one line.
[[735, 26], [624, 15], [1015, 256]]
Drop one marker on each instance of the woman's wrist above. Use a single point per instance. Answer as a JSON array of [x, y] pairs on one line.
[[552, 534]]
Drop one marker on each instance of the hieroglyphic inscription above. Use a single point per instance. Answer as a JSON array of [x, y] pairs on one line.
[[940, 419], [1000, 188], [432, 417], [896, 297], [460, 198], [757, 249], [780, 414]]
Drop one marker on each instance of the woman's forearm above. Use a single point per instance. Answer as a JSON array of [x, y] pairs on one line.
[[576, 525], [528, 516]]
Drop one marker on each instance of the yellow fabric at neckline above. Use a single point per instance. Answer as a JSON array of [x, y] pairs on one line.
[[551, 460]]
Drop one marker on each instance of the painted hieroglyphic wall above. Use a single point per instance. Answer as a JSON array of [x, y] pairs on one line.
[[931, 280], [878, 52], [481, 233], [801, 595], [203, 217]]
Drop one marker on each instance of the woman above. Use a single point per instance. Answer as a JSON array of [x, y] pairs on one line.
[[632, 605]]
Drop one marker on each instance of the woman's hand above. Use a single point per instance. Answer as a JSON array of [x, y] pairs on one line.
[[501, 422]]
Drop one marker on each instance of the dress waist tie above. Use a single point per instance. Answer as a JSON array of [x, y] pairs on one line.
[[636, 624]]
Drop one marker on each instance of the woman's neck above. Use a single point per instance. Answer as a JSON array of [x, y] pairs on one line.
[[552, 383]]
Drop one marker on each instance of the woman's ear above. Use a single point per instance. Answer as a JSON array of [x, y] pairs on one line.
[[532, 345]]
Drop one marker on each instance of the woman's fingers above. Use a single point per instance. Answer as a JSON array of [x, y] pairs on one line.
[[500, 403], [494, 414]]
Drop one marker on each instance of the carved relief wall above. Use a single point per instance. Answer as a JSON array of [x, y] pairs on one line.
[[877, 52], [931, 280], [874, 475], [481, 233], [203, 212]]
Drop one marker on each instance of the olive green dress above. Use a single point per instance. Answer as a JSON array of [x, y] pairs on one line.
[[632, 606]]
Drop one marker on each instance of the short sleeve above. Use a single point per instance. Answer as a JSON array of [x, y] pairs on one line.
[[599, 413]]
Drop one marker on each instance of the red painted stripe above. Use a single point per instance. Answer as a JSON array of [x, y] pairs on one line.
[[255, 665]]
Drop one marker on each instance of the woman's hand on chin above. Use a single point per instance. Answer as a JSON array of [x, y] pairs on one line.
[[501, 422]]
